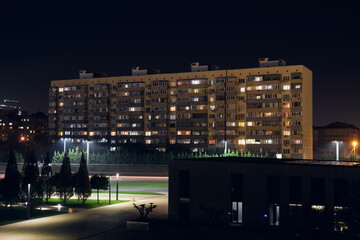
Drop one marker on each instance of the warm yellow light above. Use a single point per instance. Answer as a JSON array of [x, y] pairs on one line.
[[354, 143], [22, 138]]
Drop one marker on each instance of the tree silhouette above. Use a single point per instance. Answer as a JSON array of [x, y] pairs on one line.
[[12, 181], [82, 182], [144, 210], [99, 182], [64, 182], [46, 169]]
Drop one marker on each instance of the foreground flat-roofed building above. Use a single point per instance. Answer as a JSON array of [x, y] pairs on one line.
[[259, 192], [262, 110]]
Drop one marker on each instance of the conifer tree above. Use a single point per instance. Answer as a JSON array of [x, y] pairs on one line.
[[82, 182], [64, 182], [99, 182], [46, 169], [12, 181]]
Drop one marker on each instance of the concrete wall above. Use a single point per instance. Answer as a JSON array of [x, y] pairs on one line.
[[210, 186], [124, 170]]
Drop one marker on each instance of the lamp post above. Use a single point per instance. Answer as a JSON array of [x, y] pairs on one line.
[[87, 152], [337, 149], [109, 190], [28, 205], [225, 149], [64, 139], [354, 144], [117, 186]]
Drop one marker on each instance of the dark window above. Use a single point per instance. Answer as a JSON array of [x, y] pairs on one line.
[[184, 194], [317, 191], [273, 189], [295, 190], [237, 187], [341, 192]]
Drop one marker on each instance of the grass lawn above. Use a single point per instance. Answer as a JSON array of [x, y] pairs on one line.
[[129, 192], [140, 184], [90, 203], [18, 214]]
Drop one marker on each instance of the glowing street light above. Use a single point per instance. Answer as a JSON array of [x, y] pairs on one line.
[[28, 203], [117, 186], [337, 149], [354, 144], [64, 139]]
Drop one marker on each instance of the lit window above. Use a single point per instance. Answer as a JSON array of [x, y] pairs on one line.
[[258, 79], [286, 87], [91, 134], [113, 134], [172, 109], [252, 141], [250, 124], [212, 99], [286, 133], [241, 141], [172, 117], [241, 124], [242, 89], [148, 133], [148, 141], [61, 104], [211, 141]]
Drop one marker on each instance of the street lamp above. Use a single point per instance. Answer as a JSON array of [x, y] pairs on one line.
[[354, 144], [64, 139], [225, 148], [28, 205], [109, 189], [117, 186], [87, 152], [337, 149]]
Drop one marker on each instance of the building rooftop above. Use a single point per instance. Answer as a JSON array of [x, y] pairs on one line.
[[275, 161], [337, 125]]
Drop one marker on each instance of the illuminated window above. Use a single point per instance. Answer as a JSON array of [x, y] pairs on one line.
[[250, 124], [148, 141], [61, 104], [172, 117], [172, 109], [61, 89], [241, 124], [183, 132], [286, 105], [259, 88], [286, 133], [211, 141], [212, 99], [286, 87], [258, 79], [148, 133], [241, 141], [113, 134], [252, 141], [242, 89]]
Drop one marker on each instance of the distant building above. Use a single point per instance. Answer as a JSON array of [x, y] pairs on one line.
[[24, 127], [261, 110], [325, 137], [256, 192]]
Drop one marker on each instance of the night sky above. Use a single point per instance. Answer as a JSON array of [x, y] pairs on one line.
[[42, 43]]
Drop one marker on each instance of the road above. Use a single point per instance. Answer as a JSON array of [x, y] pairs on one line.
[[85, 224]]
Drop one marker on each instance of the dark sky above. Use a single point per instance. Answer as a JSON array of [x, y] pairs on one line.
[[42, 43]]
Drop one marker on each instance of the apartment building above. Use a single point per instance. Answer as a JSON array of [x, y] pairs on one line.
[[264, 109]]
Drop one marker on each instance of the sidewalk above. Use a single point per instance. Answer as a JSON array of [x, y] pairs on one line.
[[84, 224]]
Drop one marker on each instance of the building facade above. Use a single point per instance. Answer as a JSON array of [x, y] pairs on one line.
[[257, 192], [325, 137], [265, 109]]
